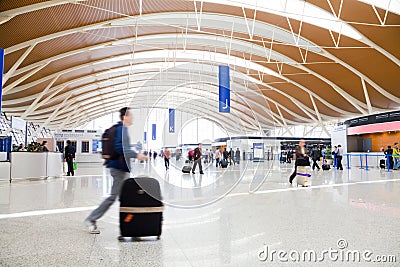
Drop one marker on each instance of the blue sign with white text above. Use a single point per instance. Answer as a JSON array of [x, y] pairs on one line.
[[224, 89], [153, 132], [1, 75], [145, 137], [171, 126]]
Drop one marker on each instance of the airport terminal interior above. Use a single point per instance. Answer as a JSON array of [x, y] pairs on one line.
[[270, 127]]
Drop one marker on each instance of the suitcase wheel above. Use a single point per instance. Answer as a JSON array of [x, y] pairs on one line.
[[121, 238], [158, 237]]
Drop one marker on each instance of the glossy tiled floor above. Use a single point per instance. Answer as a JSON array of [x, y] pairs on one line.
[[226, 217]]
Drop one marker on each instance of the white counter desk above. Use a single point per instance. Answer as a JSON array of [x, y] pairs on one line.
[[35, 164]]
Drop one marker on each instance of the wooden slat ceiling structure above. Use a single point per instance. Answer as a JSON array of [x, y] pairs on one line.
[[292, 62]]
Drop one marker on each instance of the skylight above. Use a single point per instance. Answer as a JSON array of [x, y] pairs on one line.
[[167, 60], [296, 9], [391, 5]]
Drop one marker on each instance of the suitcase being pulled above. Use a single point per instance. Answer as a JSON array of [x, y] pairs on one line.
[[140, 208], [303, 175]]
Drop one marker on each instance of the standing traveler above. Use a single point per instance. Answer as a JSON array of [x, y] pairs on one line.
[[396, 156], [334, 156], [44, 146], [301, 155], [315, 155], [197, 159], [389, 154], [217, 157], [231, 155], [225, 155], [167, 155], [339, 157], [237, 155], [69, 157], [119, 167], [210, 156], [289, 156]]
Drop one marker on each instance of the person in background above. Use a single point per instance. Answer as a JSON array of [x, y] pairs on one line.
[[21, 147], [396, 156], [167, 156], [154, 155], [197, 159], [225, 155], [301, 153], [69, 157], [206, 156], [289, 156], [339, 157], [231, 155], [389, 154], [190, 154], [217, 157], [334, 156], [315, 155], [237, 155], [44, 146], [119, 167]]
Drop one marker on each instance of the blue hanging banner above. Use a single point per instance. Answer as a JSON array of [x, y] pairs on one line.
[[145, 137], [224, 89], [153, 132], [171, 120], [1, 75]]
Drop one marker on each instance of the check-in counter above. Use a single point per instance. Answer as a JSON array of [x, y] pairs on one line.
[[35, 164]]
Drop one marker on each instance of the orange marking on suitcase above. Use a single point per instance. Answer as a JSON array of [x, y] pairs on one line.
[[128, 218]]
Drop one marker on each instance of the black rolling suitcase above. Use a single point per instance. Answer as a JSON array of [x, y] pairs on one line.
[[382, 163], [186, 169], [140, 208], [224, 163]]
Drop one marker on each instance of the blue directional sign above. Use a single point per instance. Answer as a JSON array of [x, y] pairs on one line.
[[145, 137], [224, 89], [1, 74], [153, 132], [171, 125]]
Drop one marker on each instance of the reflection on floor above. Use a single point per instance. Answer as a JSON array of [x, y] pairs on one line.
[[236, 217]]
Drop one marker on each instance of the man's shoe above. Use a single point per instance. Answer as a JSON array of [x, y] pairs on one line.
[[201, 172], [92, 227], [193, 172]]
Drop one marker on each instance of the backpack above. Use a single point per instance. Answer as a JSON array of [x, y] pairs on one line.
[[108, 143]]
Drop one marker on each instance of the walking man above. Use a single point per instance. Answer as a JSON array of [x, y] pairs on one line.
[[315, 155], [301, 154], [167, 155], [119, 167], [197, 159]]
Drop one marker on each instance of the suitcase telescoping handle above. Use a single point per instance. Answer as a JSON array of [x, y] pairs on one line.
[[141, 209]]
